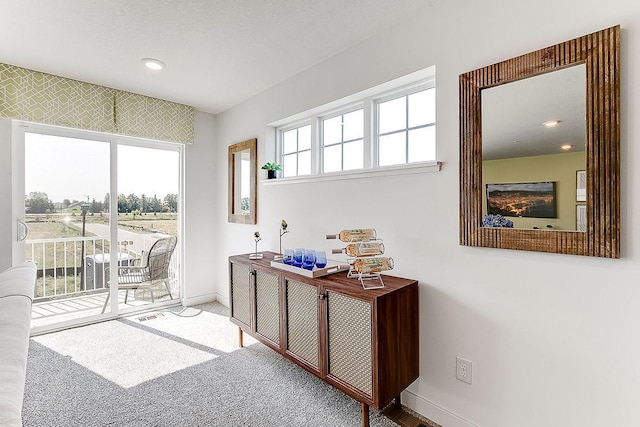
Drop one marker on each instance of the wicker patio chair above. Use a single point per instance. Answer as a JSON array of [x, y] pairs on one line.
[[150, 273]]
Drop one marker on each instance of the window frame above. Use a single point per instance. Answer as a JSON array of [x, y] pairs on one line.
[[367, 100], [342, 112], [393, 96], [281, 154]]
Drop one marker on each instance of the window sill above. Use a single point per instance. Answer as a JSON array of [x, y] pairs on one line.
[[426, 167]]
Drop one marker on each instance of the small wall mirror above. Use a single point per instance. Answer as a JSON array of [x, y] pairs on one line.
[[539, 145], [242, 182]]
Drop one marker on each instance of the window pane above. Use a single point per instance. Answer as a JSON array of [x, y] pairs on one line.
[[304, 163], [353, 155], [289, 165], [392, 149], [290, 141], [422, 108], [332, 131], [422, 144], [304, 138], [353, 125], [392, 115], [333, 158]]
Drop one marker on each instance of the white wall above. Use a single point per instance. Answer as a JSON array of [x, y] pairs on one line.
[[553, 338], [200, 214]]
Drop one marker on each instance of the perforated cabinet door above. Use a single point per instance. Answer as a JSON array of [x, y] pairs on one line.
[[240, 293], [267, 306], [302, 321], [349, 338]]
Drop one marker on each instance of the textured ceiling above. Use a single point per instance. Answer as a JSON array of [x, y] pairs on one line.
[[218, 52]]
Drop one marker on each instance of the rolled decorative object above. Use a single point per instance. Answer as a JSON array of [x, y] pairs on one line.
[[361, 249], [355, 235], [372, 265]]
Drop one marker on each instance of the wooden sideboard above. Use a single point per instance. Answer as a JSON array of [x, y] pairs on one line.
[[363, 342]]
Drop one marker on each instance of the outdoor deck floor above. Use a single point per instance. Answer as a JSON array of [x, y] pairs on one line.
[[46, 313]]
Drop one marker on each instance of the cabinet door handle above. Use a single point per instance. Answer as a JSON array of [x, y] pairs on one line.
[[322, 296]]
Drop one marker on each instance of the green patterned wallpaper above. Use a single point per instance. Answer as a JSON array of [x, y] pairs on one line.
[[138, 115], [44, 98]]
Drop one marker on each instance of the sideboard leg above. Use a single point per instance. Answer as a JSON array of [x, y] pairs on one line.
[[240, 338], [397, 403], [365, 415]]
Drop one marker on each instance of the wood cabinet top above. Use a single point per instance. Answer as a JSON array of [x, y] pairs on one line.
[[335, 281]]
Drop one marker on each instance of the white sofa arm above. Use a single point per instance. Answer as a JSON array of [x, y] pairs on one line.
[[16, 293]]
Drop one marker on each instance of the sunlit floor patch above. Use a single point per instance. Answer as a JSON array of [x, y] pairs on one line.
[[122, 353], [193, 324]]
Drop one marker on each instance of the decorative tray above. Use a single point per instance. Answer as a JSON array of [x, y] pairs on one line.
[[331, 267]]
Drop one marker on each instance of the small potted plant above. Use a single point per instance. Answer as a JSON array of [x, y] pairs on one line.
[[271, 168]]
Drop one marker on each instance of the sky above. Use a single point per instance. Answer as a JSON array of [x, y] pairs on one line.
[[71, 168]]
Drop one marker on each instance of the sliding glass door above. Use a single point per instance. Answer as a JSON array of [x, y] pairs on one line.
[[148, 216], [84, 200]]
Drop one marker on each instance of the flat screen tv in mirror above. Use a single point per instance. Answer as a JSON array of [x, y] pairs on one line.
[[595, 56], [529, 199]]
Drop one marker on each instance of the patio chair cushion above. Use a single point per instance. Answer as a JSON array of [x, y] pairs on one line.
[[16, 294]]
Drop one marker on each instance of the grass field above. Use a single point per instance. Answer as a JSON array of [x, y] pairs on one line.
[[53, 229], [160, 223], [61, 225]]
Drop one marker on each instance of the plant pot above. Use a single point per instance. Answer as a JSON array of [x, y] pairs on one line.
[[271, 174]]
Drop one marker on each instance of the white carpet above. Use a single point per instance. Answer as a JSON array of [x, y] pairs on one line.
[[175, 368], [106, 348]]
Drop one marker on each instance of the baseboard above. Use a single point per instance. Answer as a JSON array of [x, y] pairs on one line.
[[433, 411], [201, 299], [222, 299]]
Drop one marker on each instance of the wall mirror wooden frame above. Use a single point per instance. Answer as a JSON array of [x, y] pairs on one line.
[[600, 52], [243, 174]]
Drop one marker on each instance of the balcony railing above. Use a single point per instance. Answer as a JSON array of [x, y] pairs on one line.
[[75, 266]]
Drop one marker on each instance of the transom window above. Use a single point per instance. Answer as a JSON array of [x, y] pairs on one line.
[[379, 127], [296, 151], [407, 128], [342, 140]]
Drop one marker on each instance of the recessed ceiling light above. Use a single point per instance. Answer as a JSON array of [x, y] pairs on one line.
[[551, 123], [566, 146], [153, 64]]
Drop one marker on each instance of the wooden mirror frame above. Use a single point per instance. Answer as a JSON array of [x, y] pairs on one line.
[[600, 52], [251, 218]]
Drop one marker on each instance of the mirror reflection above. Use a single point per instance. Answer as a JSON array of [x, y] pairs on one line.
[[242, 178], [533, 150]]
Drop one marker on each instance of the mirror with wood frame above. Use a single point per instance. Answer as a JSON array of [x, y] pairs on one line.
[[242, 182], [600, 54]]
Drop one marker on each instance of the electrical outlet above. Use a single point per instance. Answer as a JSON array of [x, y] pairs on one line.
[[463, 370]]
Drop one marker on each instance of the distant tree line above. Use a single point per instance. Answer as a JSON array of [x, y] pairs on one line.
[[146, 204], [38, 202]]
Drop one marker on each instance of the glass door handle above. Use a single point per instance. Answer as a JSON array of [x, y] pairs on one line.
[[25, 230]]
